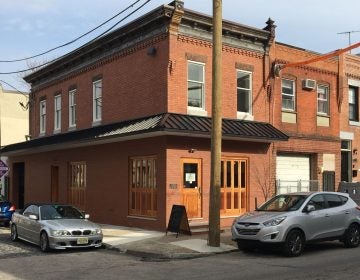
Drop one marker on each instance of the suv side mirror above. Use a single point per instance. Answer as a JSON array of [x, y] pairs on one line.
[[309, 208]]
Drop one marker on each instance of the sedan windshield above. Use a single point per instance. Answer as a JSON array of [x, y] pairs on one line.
[[54, 212], [283, 203]]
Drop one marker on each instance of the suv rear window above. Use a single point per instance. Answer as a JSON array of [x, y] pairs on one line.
[[334, 200]]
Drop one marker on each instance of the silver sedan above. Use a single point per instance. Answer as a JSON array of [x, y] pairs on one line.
[[54, 226]]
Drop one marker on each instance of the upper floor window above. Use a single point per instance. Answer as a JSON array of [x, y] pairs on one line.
[[323, 100], [288, 95], [72, 108], [353, 104], [57, 112], [244, 92], [42, 116], [97, 95], [196, 85]]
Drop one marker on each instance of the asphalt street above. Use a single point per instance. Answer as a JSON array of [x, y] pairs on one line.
[[328, 260]]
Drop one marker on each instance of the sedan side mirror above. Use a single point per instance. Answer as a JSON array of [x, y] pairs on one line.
[[33, 217], [309, 208]]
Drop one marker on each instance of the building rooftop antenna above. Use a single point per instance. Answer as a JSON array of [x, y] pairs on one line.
[[349, 35]]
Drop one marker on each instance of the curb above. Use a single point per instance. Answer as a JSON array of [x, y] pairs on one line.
[[161, 256]]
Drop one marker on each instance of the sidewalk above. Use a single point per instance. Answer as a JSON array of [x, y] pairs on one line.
[[154, 244]]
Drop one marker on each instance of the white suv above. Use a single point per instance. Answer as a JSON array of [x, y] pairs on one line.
[[291, 220]]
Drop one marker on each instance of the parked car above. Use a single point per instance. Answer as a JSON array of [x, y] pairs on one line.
[[55, 226], [6, 210], [291, 220]]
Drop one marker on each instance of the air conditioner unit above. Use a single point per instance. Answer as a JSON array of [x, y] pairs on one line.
[[309, 84]]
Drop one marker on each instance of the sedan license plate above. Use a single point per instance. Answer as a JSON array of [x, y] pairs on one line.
[[82, 240]]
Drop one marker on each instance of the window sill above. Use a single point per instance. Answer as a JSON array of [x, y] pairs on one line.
[[142, 218], [244, 116], [197, 111], [41, 134], [57, 131], [354, 123], [322, 120], [72, 128], [96, 123], [289, 117]]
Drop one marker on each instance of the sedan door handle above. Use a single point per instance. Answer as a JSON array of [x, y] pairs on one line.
[[347, 212], [327, 215]]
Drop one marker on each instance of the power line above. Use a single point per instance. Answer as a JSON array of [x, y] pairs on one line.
[[56, 59], [19, 91], [74, 40]]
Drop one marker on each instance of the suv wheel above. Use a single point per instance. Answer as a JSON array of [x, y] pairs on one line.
[[352, 236], [294, 243]]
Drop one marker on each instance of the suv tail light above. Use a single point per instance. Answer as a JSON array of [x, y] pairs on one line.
[[12, 208]]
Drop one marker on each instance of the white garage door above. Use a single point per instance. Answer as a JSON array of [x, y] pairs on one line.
[[292, 173]]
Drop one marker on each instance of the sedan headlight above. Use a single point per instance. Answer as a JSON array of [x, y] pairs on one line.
[[274, 222], [60, 233], [96, 231]]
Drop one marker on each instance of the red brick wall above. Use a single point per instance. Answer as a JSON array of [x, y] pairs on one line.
[[306, 136], [258, 155], [350, 70], [106, 180], [306, 101], [133, 86], [180, 46]]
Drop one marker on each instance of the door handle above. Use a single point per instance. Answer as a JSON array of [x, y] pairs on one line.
[[347, 212], [327, 215]]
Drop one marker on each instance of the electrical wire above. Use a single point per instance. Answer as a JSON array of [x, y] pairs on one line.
[[74, 40], [23, 93], [56, 59]]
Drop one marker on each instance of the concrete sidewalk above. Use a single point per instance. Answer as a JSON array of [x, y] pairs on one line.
[[154, 244]]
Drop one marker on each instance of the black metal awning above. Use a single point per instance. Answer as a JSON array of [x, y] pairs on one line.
[[161, 124]]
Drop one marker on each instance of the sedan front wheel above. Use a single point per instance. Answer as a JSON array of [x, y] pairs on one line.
[[44, 242]]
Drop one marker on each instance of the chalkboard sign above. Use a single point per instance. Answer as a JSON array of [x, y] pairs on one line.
[[178, 221]]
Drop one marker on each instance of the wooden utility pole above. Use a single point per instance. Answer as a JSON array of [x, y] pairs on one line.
[[216, 135]]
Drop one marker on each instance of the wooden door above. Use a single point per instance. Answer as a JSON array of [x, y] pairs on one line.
[[191, 170], [234, 186]]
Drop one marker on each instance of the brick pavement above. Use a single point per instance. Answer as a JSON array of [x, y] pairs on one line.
[[9, 249]]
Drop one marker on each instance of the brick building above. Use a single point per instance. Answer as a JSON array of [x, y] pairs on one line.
[[350, 121], [121, 126], [307, 108]]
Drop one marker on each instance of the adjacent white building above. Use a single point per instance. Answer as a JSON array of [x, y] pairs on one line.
[[14, 123]]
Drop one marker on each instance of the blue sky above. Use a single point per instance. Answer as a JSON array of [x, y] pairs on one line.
[[29, 27]]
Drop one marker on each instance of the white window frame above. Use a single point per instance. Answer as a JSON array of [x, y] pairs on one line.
[[293, 95], [42, 115], [323, 100], [57, 112], [353, 100], [244, 114], [72, 108], [97, 101], [202, 83]]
